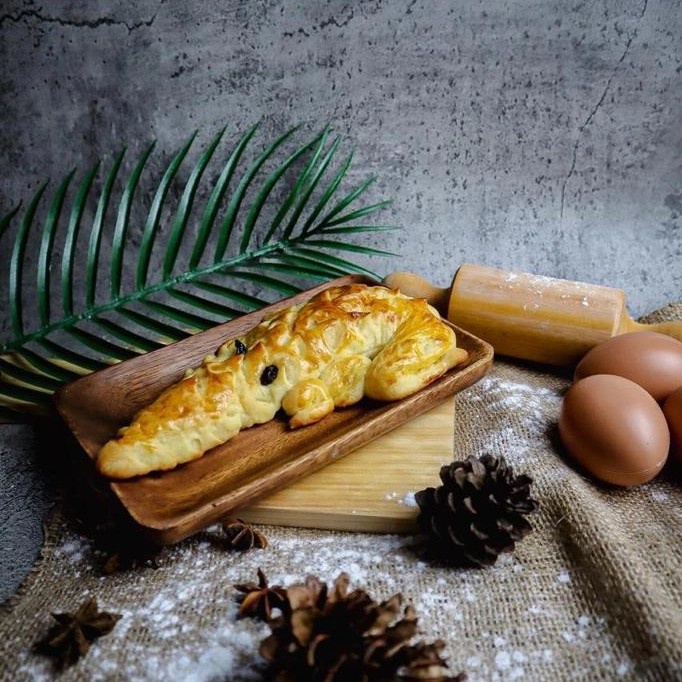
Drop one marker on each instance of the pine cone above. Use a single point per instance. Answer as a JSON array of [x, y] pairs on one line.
[[341, 636], [477, 513]]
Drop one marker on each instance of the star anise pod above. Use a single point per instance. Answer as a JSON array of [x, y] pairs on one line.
[[71, 636], [259, 600], [241, 536]]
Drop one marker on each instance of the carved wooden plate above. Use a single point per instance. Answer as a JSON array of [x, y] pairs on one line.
[[172, 505]]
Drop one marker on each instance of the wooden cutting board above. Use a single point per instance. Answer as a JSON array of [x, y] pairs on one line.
[[371, 489]]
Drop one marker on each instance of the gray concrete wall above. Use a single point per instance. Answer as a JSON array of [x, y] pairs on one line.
[[529, 134]]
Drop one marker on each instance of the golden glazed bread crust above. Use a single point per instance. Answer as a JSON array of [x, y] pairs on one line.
[[346, 342]]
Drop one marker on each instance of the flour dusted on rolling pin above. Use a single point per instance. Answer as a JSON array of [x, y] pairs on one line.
[[534, 317], [531, 317], [533, 288]]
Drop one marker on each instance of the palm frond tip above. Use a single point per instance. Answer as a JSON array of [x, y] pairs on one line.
[[268, 224]]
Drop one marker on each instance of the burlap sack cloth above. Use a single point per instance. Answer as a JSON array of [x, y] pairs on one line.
[[592, 594]]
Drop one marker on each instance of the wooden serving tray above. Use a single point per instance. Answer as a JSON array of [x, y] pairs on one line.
[[172, 505]]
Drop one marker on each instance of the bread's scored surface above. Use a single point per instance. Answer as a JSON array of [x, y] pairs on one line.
[[345, 343]]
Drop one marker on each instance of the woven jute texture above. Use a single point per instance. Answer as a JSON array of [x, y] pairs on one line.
[[593, 593]]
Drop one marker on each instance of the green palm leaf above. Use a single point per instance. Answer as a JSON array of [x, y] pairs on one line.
[[73, 230], [74, 309], [153, 219], [95, 241], [122, 223], [16, 266]]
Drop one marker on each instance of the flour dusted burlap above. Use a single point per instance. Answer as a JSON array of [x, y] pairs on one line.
[[592, 594]]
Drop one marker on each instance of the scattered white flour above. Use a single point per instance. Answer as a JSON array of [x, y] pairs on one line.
[[194, 578], [505, 663], [534, 408], [409, 500], [659, 496], [469, 594], [623, 668], [197, 577], [72, 550], [502, 660]]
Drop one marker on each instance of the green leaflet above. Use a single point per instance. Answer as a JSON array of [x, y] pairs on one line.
[[269, 222]]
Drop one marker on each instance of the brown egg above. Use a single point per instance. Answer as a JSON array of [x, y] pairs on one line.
[[672, 409], [614, 429], [650, 359]]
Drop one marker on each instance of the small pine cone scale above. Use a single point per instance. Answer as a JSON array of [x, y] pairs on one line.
[[477, 513]]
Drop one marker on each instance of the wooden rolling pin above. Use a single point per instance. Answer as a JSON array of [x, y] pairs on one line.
[[532, 317]]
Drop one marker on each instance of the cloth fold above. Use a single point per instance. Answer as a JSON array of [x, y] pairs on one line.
[[592, 593]]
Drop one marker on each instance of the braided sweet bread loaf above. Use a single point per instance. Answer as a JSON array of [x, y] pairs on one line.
[[345, 342]]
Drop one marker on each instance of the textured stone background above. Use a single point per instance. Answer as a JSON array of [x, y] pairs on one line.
[[529, 134]]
